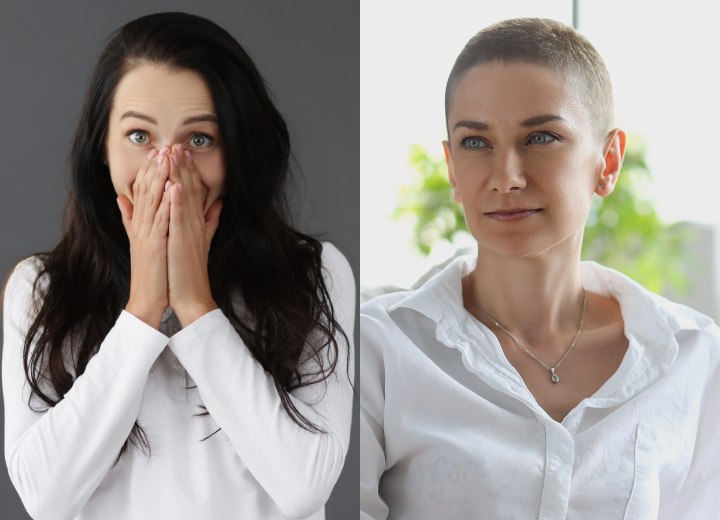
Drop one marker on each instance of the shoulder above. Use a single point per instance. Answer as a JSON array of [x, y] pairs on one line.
[[340, 284], [683, 319], [381, 323], [642, 310], [332, 258], [696, 328], [21, 294], [336, 265], [695, 333], [379, 307], [20, 283], [437, 297]]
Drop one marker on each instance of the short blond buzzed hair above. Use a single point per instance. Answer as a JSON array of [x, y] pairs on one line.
[[547, 43]]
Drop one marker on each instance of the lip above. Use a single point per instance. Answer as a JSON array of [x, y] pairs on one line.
[[512, 215]]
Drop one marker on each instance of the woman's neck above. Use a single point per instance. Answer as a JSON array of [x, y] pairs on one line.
[[538, 299]]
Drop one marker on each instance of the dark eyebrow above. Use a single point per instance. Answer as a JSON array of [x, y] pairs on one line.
[[194, 119], [472, 125], [527, 123], [138, 115], [540, 120], [200, 119]]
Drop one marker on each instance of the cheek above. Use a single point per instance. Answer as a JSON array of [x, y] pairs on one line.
[[469, 172], [212, 173], [124, 164], [472, 184], [573, 194], [123, 170]]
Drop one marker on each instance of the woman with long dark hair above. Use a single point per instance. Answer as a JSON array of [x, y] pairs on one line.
[[177, 236]]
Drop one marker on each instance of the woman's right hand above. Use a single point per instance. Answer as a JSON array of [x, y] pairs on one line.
[[146, 219]]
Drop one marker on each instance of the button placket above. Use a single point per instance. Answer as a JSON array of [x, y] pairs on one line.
[[559, 458]]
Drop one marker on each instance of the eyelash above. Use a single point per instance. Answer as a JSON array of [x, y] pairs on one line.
[[554, 136], [464, 140], [211, 139]]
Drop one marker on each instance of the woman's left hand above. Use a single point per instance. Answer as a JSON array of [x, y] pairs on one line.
[[190, 233]]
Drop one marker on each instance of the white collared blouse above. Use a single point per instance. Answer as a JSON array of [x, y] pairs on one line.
[[449, 430], [260, 465]]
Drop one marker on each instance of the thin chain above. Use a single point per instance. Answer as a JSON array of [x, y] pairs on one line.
[[554, 378]]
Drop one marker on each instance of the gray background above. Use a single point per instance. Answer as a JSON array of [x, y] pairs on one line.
[[308, 52]]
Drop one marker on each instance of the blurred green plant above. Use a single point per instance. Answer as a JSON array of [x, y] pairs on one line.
[[623, 231]]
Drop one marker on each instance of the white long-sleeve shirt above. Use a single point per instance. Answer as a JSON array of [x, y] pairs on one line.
[[260, 465], [449, 430]]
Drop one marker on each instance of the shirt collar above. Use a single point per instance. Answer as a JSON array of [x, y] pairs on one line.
[[440, 298], [647, 316]]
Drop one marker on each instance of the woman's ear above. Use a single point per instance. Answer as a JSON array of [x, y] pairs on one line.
[[613, 154], [451, 171]]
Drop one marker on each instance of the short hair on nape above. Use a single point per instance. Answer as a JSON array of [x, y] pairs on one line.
[[547, 43]]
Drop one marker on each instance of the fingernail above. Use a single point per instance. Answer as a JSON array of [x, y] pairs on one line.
[[152, 154], [175, 159], [188, 155], [161, 159]]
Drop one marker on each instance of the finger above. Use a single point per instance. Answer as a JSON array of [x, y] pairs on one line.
[[187, 178], [142, 186], [183, 169], [142, 173], [162, 217], [192, 168], [212, 219], [153, 196], [175, 173], [176, 205], [126, 212], [157, 186], [194, 180]]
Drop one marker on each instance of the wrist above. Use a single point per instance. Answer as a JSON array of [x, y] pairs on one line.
[[192, 311], [149, 314]]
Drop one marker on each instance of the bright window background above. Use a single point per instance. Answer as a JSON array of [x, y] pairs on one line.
[[665, 78]]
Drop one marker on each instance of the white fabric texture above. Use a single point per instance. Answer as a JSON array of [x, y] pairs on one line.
[[449, 430], [260, 464]]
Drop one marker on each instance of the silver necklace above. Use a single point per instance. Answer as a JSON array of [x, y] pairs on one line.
[[553, 376]]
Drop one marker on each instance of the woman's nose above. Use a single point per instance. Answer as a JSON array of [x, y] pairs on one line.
[[507, 172]]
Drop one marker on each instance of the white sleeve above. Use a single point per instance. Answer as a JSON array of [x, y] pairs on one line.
[[56, 459], [372, 408], [296, 467]]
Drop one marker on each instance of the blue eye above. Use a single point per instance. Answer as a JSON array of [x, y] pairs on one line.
[[138, 136], [542, 138], [201, 140], [472, 143]]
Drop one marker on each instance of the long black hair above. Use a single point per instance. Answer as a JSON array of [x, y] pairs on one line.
[[255, 253]]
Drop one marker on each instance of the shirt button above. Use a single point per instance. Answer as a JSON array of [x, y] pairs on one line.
[[177, 365]]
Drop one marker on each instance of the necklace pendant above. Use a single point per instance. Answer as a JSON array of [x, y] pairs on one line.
[[554, 378]]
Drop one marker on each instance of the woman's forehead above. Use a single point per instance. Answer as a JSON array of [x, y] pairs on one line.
[[157, 87], [510, 93]]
